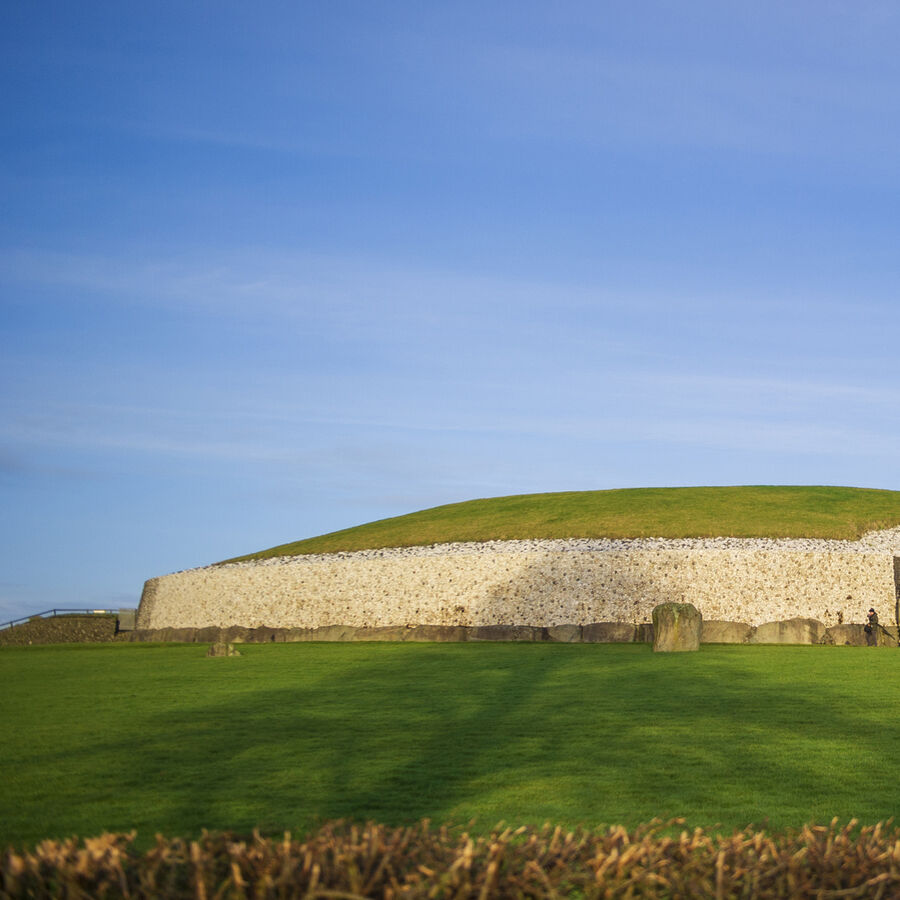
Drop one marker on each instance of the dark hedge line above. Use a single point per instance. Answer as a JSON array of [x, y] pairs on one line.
[[350, 862]]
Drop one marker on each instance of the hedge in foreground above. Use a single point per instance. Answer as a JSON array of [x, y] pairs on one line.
[[345, 861]]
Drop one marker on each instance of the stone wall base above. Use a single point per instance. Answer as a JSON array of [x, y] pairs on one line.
[[532, 584], [791, 631]]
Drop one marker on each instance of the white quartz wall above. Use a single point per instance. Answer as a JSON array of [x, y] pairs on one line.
[[537, 583]]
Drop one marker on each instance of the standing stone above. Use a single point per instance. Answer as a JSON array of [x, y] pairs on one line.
[[221, 648], [676, 627]]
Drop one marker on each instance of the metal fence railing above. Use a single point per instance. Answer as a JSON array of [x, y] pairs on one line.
[[50, 613]]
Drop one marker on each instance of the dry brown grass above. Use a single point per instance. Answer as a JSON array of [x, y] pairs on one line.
[[349, 862]]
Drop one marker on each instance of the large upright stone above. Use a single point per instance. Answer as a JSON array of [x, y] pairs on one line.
[[222, 648], [676, 627]]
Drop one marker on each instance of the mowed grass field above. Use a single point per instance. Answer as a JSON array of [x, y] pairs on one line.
[[161, 739], [841, 513]]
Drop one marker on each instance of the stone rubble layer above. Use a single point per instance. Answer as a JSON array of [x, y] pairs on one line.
[[537, 583]]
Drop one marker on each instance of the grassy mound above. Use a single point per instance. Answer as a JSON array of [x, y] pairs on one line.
[[748, 511]]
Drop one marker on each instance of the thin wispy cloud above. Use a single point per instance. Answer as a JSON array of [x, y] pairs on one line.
[[270, 274]]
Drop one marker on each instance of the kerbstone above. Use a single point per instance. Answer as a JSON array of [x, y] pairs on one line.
[[335, 633], [438, 633], [718, 632], [847, 634], [179, 635], [381, 633], [563, 634], [208, 635], [888, 636], [791, 631], [236, 634], [502, 633], [608, 633], [295, 635]]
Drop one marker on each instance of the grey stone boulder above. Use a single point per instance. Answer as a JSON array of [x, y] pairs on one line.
[[503, 633], [848, 635], [139, 635], [714, 631], [334, 633], [296, 635], [208, 635], [439, 633], [608, 633], [676, 627], [887, 636], [562, 634], [790, 631], [265, 635], [381, 633], [855, 635], [235, 634], [221, 648], [177, 635]]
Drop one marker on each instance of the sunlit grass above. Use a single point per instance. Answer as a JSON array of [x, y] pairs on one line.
[[159, 738], [767, 511]]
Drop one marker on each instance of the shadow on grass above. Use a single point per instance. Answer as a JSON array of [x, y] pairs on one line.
[[289, 735]]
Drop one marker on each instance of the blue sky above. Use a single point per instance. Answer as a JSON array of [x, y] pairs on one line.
[[270, 270]]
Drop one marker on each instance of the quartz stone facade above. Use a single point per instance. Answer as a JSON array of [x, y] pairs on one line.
[[537, 583]]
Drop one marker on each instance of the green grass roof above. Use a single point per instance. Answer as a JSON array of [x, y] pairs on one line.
[[746, 511]]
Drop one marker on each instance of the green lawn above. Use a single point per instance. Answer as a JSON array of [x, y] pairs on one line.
[[746, 511], [159, 738]]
